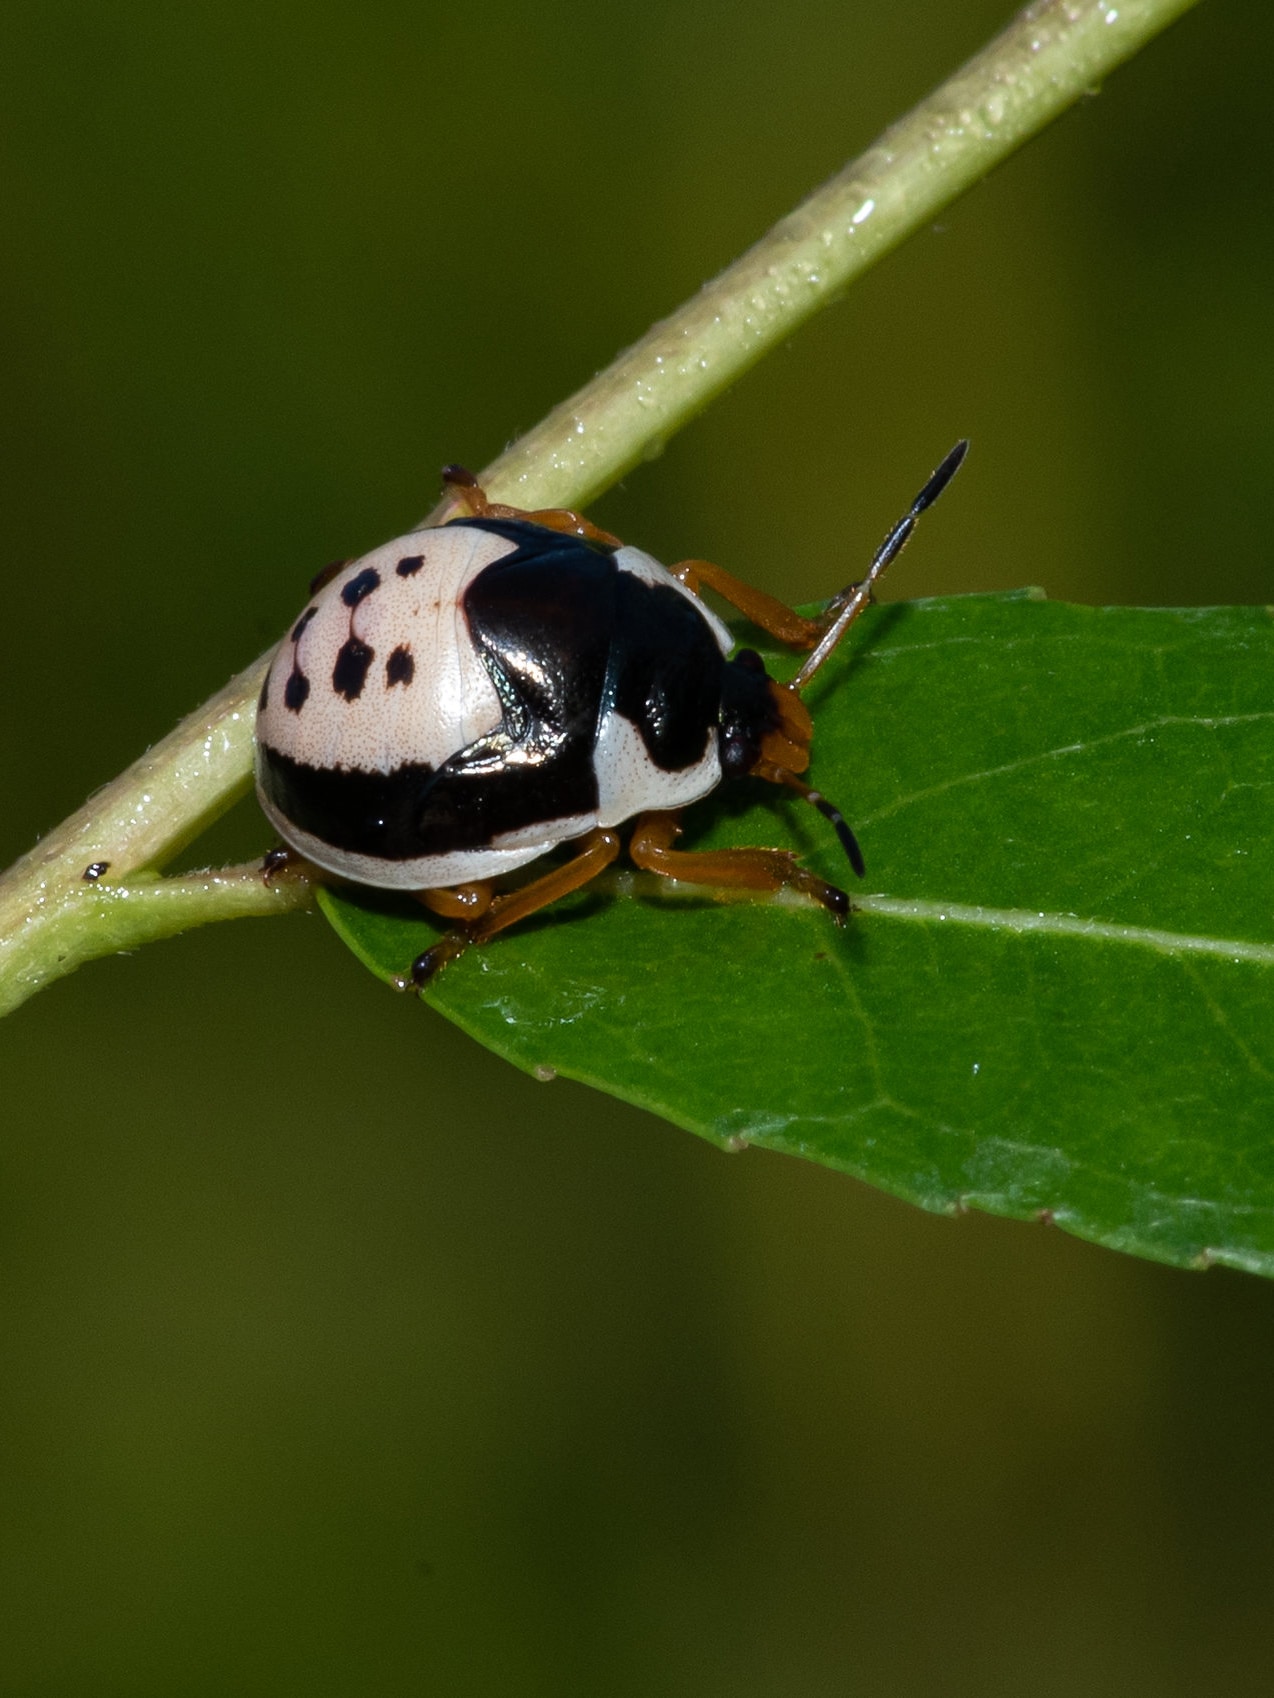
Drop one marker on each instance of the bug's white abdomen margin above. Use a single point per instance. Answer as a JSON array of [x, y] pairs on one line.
[[425, 872], [629, 784]]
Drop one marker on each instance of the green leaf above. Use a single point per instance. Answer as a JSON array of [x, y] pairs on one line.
[[1056, 999]]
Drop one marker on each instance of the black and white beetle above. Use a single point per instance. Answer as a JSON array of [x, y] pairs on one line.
[[461, 700]]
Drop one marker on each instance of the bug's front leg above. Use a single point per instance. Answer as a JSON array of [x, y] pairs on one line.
[[770, 615], [761, 870]]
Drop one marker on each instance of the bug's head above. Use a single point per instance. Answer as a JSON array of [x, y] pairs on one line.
[[760, 720], [765, 732]]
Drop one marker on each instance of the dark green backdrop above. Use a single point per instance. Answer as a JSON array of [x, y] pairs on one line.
[[335, 1357]]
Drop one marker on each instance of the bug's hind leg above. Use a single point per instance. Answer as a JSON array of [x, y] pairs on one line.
[[459, 901], [285, 862], [471, 499], [597, 852], [768, 870], [464, 902]]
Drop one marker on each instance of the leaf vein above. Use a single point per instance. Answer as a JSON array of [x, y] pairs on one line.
[[1026, 920], [960, 780]]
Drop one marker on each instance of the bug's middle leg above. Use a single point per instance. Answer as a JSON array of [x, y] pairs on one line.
[[651, 849], [597, 852]]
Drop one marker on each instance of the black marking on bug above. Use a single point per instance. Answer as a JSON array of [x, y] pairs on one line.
[[360, 586], [369, 813], [263, 700], [409, 565], [94, 871], [400, 668], [295, 691], [567, 636], [666, 671], [298, 630], [415, 810], [747, 713], [352, 661], [543, 620]]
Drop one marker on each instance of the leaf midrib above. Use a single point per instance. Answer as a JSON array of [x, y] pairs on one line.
[[626, 883], [1023, 920]]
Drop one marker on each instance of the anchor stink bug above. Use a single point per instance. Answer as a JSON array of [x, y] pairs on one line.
[[468, 697]]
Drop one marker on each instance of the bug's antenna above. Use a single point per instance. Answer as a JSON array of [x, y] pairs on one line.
[[775, 774], [858, 595]]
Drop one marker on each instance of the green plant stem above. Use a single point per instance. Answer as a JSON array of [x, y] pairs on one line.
[[74, 923], [1052, 53]]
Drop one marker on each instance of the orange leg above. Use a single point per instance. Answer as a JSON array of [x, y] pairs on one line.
[[599, 849], [774, 617], [465, 490], [739, 869], [326, 575], [461, 902], [283, 861]]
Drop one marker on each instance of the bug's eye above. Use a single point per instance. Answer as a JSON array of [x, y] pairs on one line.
[[749, 660], [737, 753]]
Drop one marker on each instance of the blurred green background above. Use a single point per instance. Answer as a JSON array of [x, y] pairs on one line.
[[336, 1357]]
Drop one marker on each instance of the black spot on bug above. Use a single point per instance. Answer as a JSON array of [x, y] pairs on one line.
[[295, 692], [94, 871], [352, 661], [400, 668], [360, 587], [409, 565], [298, 630], [263, 700]]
